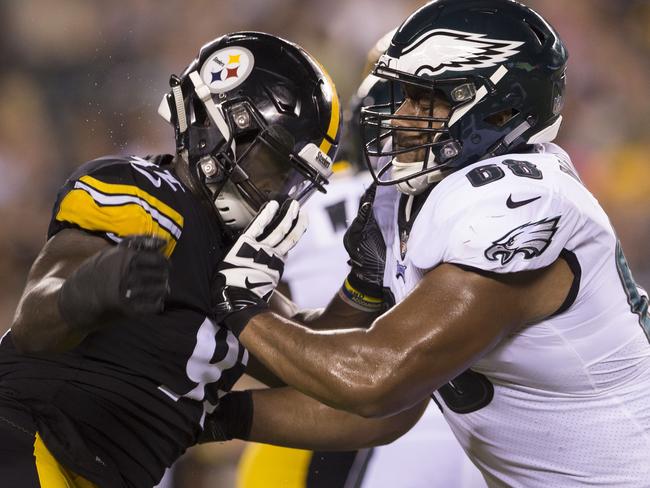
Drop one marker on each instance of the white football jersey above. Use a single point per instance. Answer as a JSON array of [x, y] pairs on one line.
[[427, 456], [571, 394]]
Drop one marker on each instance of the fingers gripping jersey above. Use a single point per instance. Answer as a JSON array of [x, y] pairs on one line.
[[133, 394], [568, 403]]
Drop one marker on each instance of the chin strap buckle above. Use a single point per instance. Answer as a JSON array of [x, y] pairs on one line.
[[177, 95], [214, 112]]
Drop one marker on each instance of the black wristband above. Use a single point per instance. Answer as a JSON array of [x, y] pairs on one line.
[[237, 321], [234, 307], [233, 418], [370, 289]]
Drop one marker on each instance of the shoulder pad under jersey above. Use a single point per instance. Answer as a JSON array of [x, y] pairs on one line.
[[504, 215], [117, 196]]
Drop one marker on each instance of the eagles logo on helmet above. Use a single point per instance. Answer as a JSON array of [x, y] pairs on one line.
[[256, 118], [483, 65]]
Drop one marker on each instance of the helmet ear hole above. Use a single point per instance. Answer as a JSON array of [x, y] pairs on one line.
[[502, 117], [199, 114]]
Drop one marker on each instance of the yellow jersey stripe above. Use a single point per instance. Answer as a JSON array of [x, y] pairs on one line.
[[122, 199], [117, 189], [129, 218]]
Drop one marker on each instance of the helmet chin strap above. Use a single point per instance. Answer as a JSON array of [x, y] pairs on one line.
[[415, 186], [418, 184], [232, 208], [213, 110]]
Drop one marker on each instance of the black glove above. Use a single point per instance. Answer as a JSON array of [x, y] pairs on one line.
[[232, 419], [365, 245], [131, 278], [253, 267]]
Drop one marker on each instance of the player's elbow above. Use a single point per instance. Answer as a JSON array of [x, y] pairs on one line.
[[374, 408], [392, 428], [24, 342], [372, 401], [29, 337], [27, 343]]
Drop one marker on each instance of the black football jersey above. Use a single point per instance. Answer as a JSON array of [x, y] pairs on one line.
[[131, 397]]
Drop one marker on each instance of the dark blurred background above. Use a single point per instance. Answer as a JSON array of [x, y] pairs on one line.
[[83, 78]]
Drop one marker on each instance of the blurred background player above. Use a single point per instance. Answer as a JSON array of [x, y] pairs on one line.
[[315, 270]]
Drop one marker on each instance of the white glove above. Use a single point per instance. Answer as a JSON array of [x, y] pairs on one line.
[[253, 267], [256, 260]]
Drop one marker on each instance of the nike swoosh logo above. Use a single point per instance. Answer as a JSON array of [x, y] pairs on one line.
[[512, 204], [250, 284]]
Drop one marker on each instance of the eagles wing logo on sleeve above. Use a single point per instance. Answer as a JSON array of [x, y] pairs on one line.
[[452, 50], [530, 239]]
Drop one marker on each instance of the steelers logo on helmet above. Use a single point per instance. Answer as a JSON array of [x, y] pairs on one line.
[[227, 68]]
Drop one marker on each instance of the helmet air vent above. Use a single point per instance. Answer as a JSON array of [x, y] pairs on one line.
[[483, 10], [283, 98], [539, 34]]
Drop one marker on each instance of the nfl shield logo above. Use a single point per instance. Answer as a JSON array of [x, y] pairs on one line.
[[403, 237], [400, 272]]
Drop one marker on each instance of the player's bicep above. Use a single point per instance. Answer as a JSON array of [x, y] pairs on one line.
[[63, 253], [37, 324], [446, 322], [455, 315]]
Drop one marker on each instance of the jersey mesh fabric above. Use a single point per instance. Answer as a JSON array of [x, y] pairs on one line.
[[570, 404]]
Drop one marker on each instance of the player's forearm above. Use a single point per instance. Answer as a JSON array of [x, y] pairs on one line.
[[336, 315], [340, 368], [286, 417], [80, 283], [38, 326]]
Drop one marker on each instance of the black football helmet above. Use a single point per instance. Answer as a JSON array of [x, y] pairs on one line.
[[256, 118], [487, 58]]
